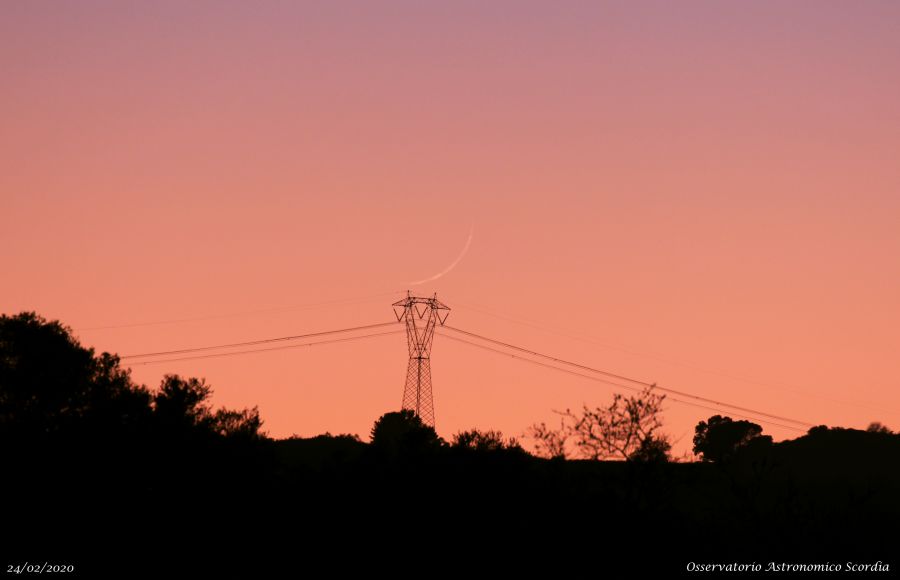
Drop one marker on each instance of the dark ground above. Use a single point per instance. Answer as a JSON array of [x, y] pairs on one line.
[[342, 507]]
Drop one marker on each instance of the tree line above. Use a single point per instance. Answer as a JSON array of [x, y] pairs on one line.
[[94, 463]]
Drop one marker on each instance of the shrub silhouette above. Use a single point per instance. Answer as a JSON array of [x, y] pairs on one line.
[[653, 449], [484, 441]]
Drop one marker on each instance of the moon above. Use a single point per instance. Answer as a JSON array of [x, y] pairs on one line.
[[453, 264]]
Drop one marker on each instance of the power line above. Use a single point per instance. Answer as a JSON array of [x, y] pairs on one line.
[[592, 378], [629, 379], [631, 388], [256, 342], [312, 306], [636, 381], [553, 358], [224, 354], [715, 372], [533, 353]]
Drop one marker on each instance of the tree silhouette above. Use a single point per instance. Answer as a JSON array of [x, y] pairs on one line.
[[626, 429], [549, 443], [878, 427], [719, 438], [50, 384], [182, 403], [243, 424], [403, 433]]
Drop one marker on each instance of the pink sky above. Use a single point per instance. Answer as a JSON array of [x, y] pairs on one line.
[[712, 187]]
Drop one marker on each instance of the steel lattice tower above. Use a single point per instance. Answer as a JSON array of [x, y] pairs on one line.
[[420, 316]]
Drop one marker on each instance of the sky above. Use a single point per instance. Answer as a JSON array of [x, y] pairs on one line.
[[705, 195]]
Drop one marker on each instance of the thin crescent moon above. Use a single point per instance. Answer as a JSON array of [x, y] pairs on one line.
[[451, 266]]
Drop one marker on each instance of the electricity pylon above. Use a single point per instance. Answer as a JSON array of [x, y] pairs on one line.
[[420, 315]]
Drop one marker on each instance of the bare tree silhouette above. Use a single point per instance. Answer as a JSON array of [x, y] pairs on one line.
[[629, 428]]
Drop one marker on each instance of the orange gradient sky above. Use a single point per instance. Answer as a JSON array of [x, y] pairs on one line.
[[700, 192]]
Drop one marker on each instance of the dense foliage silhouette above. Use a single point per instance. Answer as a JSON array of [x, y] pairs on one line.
[[127, 481], [719, 438], [402, 434]]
